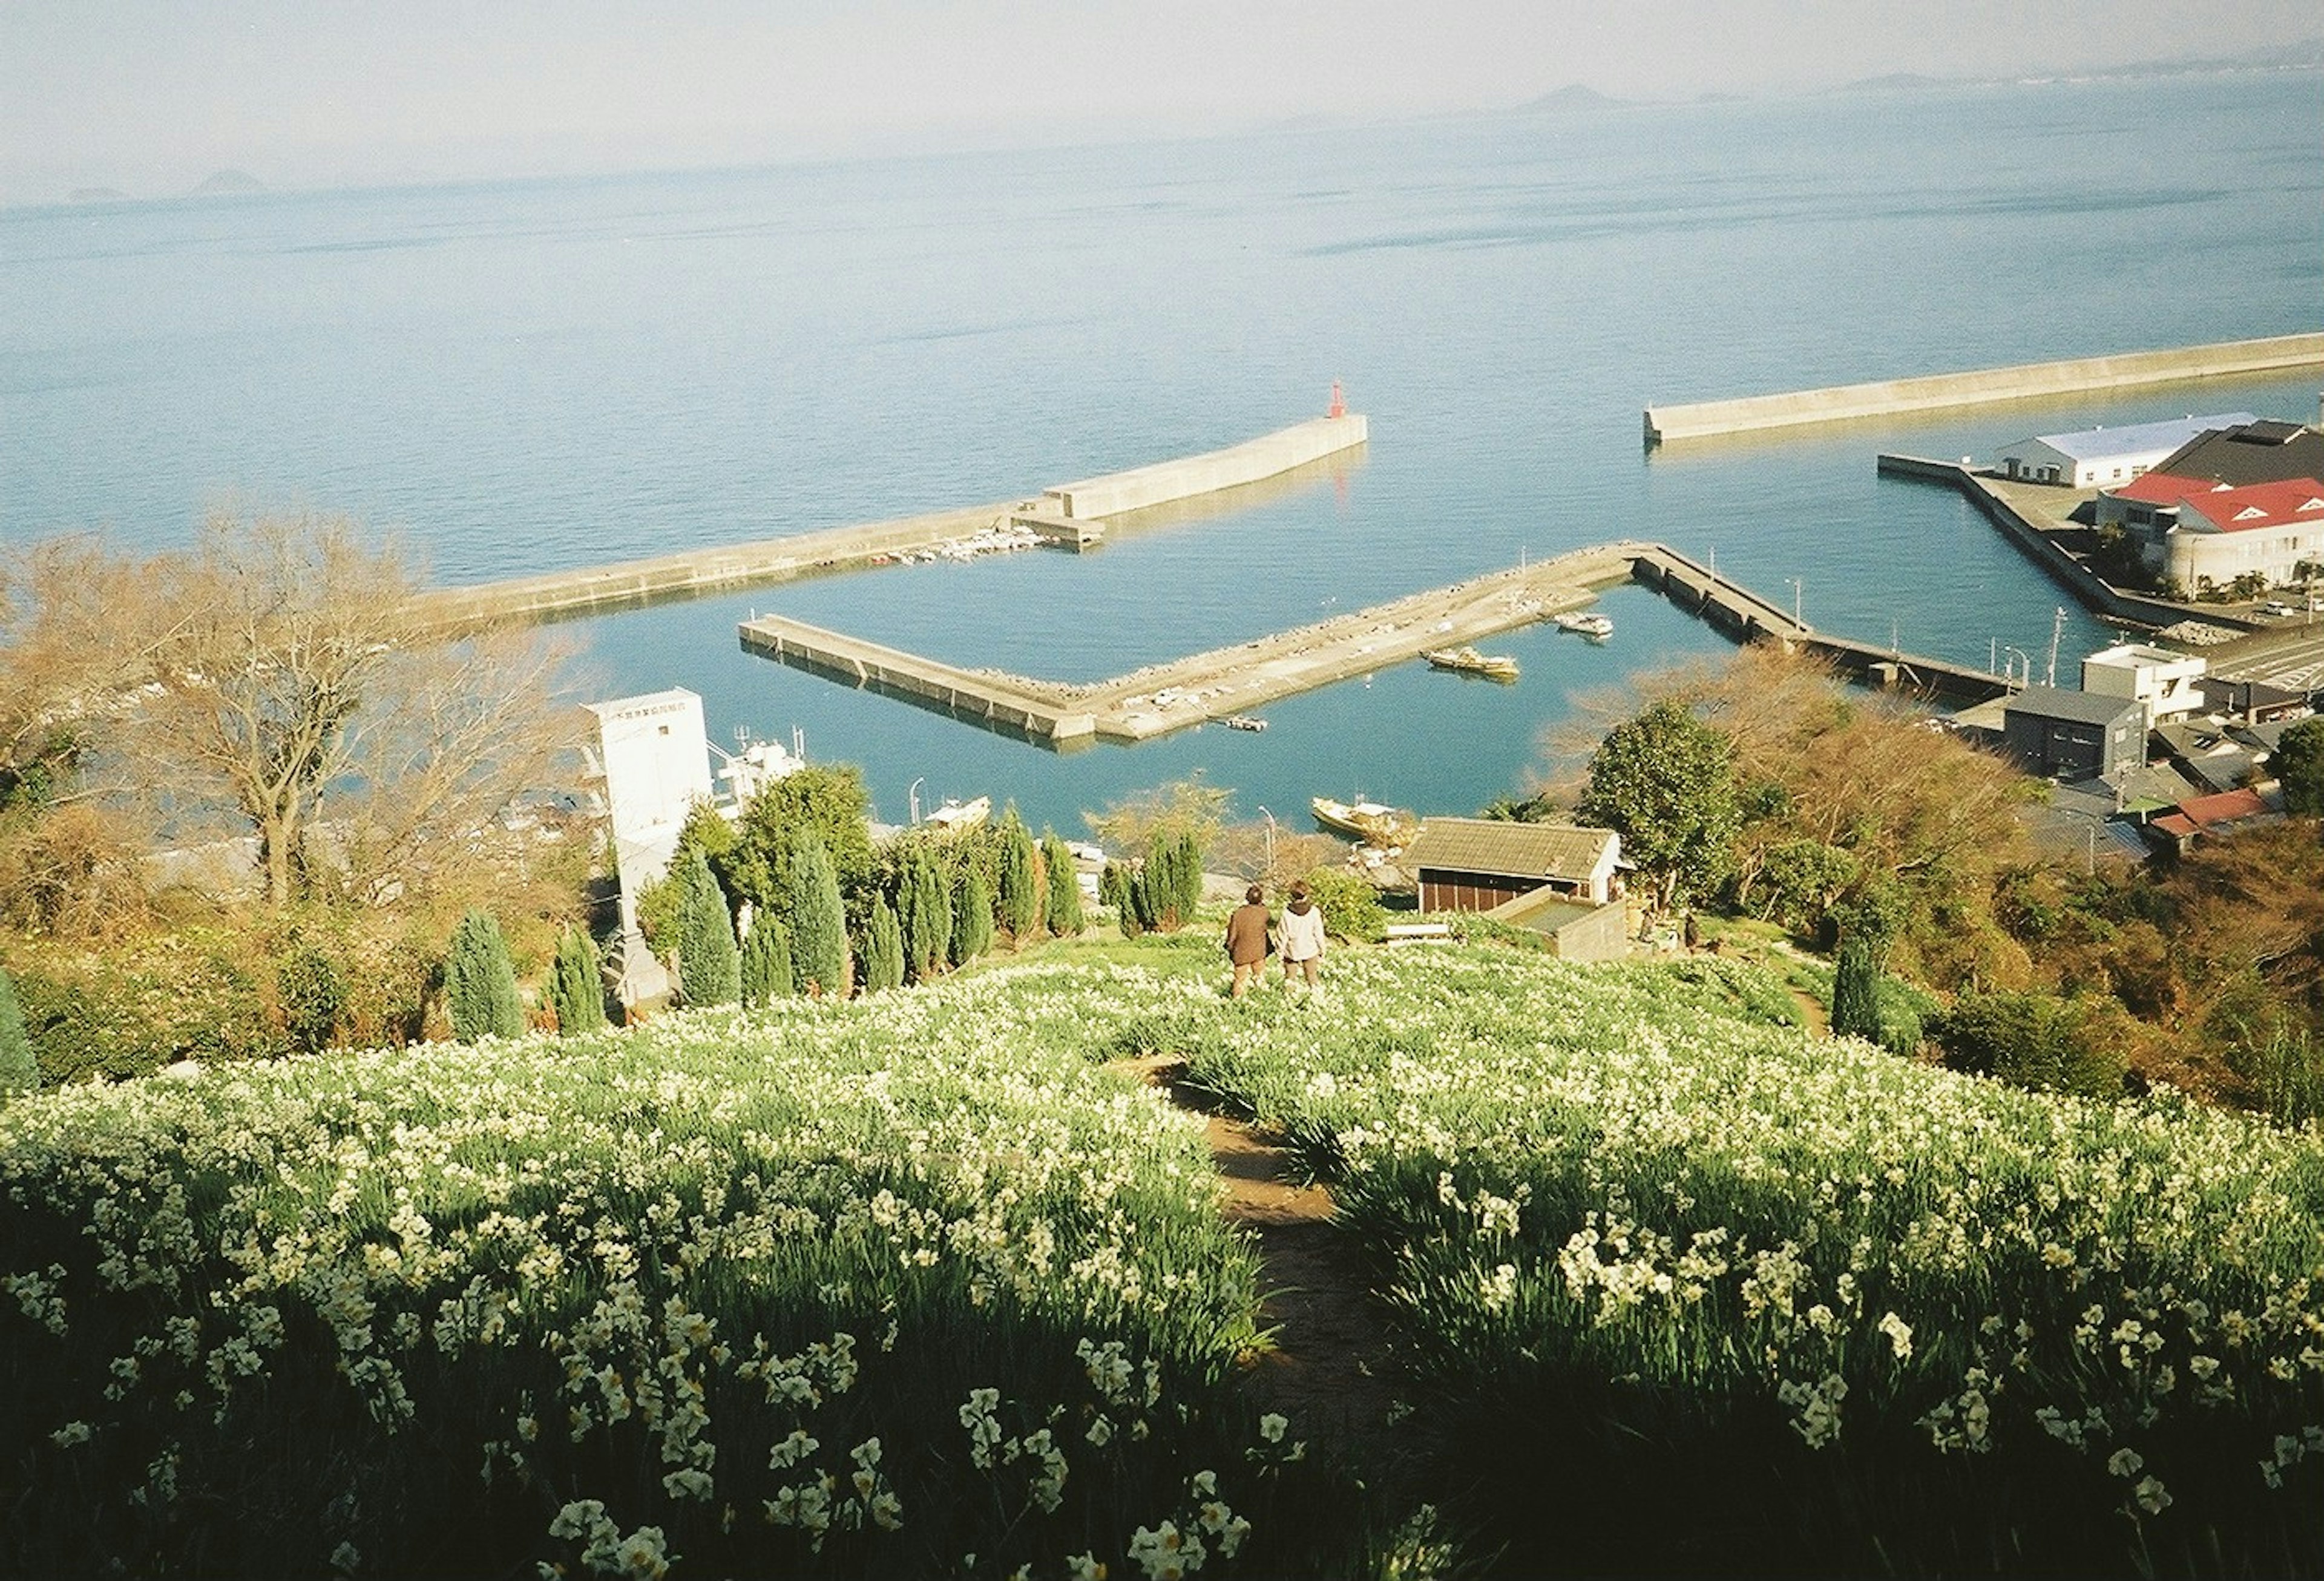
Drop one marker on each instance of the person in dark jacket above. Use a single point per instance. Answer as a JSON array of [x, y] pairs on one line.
[[1248, 944]]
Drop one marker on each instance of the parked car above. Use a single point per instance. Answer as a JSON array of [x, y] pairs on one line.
[[2277, 607]]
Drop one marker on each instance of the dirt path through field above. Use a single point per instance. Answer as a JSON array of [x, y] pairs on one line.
[[1330, 1369]]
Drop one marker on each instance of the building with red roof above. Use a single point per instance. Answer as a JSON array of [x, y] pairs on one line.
[[2201, 532]]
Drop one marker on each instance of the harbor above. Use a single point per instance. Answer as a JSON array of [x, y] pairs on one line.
[[1228, 685]]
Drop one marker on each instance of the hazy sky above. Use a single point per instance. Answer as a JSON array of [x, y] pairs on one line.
[[152, 96]]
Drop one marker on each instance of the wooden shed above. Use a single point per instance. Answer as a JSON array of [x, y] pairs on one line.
[[1475, 864]]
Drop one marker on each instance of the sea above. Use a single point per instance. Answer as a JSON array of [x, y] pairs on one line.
[[516, 377]]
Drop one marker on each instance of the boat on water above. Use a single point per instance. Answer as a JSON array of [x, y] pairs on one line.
[[1244, 721], [1468, 661], [1372, 823], [961, 814], [1587, 622]]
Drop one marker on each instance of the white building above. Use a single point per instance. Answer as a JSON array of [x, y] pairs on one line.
[[2166, 684], [657, 765], [2093, 458]]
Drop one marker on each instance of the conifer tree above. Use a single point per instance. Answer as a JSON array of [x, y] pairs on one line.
[[19, 1070], [818, 923], [971, 917], [1021, 888], [883, 949], [766, 962], [924, 908], [1065, 908], [709, 967], [480, 981], [577, 984], [1117, 887], [1186, 869], [1856, 991], [1162, 884]]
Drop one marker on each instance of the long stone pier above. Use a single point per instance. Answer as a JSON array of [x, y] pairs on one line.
[[1241, 678], [1887, 396], [1073, 515]]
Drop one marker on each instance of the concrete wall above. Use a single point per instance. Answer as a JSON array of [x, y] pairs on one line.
[[1247, 462], [1839, 402]]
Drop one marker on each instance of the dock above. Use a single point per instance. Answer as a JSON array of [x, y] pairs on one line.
[[1886, 397], [1164, 698], [1072, 516], [1238, 680]]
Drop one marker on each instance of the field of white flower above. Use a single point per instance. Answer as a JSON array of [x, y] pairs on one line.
[[900, 1287], [914, 1286]]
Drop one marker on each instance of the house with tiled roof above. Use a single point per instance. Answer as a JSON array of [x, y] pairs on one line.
[[2251, 452], [2215, 536], [2213, 814], [1473, 864]]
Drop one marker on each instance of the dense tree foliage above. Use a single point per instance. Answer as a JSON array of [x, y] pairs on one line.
[[480, 982], [2299, 764], [827, 801], [924, 909], [971, 917], [1664, 782], [1023, 893], [883, 949]]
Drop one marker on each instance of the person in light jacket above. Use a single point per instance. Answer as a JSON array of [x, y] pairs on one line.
[[1303, 935]]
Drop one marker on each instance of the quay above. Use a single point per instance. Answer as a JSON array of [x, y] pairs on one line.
[[1885, 397], [1239, 679], [1070, 515]]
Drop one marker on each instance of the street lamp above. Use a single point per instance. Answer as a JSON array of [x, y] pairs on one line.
[[2028, 659], [2090, 836], [1794, 581], [915, 795]]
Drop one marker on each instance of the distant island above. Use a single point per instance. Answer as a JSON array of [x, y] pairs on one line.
[[229, 184], [1573, 96], [97, 195]]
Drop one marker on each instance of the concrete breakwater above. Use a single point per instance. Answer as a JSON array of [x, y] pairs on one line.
[[1071, 514], [1884, 398], [1224, 682]]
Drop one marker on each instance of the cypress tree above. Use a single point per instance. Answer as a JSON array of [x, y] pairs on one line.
[[1186, 867], [1117, 887], [1855, 989], [818, 923], [766, 964], [19, 1070], [480, 981], [1161, 883], [924, 910], [1021, 888], [971, 917], [709, 967], [883, 949], [1064, 906], [577, 984]]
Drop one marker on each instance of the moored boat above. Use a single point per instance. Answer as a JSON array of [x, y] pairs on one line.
[[1373, 822], [961, 814], [1244, 721], [1470, 662], [1587, 622]]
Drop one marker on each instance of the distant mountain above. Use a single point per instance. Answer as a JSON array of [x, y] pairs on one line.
[[229, 184], [1573, 96], [97, 195], [1897, 82]]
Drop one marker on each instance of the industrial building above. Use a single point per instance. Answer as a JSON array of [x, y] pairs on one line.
[[2094, 458]]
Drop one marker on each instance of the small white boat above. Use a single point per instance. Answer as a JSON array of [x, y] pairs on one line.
[[1373, 822], [961, 814], [1587, 622], [1468, 661], [1244, 721]]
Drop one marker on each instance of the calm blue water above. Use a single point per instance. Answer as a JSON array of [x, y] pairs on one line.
[[519, 377]]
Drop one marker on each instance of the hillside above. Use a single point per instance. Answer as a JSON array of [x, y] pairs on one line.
[[870, 1288]]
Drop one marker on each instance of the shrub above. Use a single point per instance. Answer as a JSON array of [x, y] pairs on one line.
[[311, 988], [1856, 991], [19, 1072], [2029, 1040], [480, 982], [971, 917], [766, 964], [709, 968], [1065, 905], [576, 983], [1351, 906], [818, 923]]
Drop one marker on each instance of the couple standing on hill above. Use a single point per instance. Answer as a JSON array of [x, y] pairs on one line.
[[1248, 942]]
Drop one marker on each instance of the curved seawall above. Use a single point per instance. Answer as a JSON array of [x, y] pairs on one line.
[[1840, 403]]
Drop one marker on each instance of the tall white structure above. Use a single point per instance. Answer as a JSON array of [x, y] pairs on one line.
[[2166, 684], [656, 764]]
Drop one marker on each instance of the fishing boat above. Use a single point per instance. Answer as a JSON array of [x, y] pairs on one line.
[[1372, 823], [1244, 721], [1587, 622], [1468, 661]]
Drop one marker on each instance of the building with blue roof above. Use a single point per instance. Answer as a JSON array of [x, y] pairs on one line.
[[2098, 458]]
